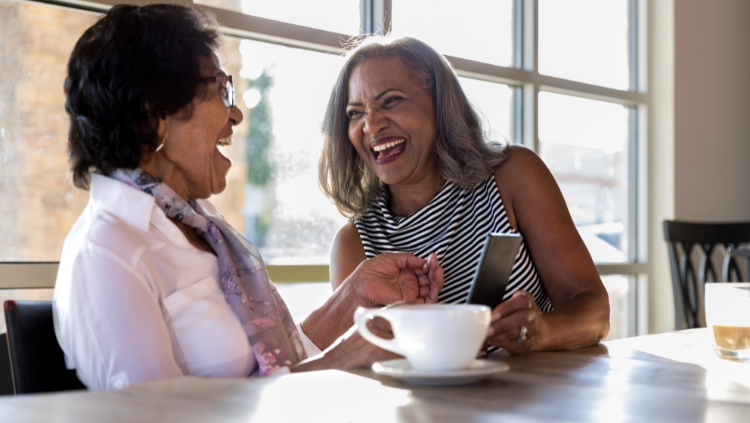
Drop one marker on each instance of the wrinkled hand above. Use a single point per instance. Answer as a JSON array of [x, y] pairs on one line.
[[393, 277], [382, 280], [354, 351], [431, 281], [507, 319], [351, 352]]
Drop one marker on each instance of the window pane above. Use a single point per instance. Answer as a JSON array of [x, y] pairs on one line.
[[494, 103], [273, 195], [39, 206], [618, 287], [585, 40], [342, 16], [584, 143], [480, 30]]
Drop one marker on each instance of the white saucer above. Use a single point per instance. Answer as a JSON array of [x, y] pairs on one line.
[[402, 370]]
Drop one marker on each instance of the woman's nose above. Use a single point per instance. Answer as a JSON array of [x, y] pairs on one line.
[[374, 121], [235, 115]]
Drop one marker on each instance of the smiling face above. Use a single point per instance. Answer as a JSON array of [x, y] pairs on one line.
[[190, 161], [392, 121]]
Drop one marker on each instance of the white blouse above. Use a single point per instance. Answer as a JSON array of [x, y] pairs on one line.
[[135, 301]]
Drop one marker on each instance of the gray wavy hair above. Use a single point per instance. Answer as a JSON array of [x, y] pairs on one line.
[[464, 155]]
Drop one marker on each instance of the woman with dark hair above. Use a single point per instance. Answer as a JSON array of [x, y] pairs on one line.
[[153, 283], [405, 158]]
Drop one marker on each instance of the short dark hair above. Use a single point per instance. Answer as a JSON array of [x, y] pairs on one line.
[[133, 67]]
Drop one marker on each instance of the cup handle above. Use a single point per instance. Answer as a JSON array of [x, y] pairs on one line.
[[362, 316]]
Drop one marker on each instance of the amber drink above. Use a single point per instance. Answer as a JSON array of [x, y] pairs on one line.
[[728, 318]]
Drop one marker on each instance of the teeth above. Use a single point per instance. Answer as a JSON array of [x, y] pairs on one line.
[[224, 142], [382, 147]]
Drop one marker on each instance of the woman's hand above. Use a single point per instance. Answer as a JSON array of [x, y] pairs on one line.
[[431, 281], [352, 352], [355, 352], [398, 277], [386, 279], [507, 320]]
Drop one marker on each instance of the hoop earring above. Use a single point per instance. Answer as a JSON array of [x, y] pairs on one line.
[[163, 140], [360, 167]]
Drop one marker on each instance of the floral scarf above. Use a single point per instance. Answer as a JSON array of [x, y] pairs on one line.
[[243, 276]]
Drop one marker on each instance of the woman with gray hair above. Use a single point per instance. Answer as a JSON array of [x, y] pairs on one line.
[[406, 159]]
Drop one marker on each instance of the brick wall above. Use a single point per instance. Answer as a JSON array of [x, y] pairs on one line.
[[38, 203]]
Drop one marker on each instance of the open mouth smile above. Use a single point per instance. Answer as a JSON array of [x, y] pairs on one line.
[[387, 149], [225, 142]]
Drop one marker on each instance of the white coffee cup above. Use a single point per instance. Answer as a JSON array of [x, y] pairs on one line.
[[435, 337]]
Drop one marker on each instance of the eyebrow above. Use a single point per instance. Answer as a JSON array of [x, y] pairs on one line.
[[377, 97], [215, 70]]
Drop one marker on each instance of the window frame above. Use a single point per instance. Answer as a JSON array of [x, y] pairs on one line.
[[522, 74]]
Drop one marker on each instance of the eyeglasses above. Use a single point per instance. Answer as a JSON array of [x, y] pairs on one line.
[[227, 87]]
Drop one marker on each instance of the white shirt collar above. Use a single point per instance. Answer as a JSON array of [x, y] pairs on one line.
[[127, 203]]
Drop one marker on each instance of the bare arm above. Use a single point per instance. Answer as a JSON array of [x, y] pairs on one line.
[[536, 208], [346, 254]]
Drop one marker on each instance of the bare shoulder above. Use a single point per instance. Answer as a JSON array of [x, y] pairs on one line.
[[521, 164], [348, 238], [522, 179], [347, 253]]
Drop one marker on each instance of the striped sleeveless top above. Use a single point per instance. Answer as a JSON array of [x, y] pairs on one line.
[[454, 225]]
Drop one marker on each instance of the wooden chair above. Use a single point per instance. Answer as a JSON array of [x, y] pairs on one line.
[[687, 283], [37, 362]]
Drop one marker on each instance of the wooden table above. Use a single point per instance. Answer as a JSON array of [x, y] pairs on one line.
[[672, 377]]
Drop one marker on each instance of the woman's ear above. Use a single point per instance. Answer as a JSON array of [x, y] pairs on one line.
[[163, 129]]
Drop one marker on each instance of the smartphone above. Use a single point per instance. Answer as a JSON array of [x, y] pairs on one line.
[[493, 270]]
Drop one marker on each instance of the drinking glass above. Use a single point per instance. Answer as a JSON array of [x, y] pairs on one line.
[[728, 318]]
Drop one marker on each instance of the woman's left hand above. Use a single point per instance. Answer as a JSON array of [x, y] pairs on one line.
[[508, 319]]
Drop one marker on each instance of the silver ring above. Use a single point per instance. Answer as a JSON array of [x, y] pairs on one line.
[[522, 335]]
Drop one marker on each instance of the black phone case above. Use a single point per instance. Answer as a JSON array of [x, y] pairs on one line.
[[494, 268]]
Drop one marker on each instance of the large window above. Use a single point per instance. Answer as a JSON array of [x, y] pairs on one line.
[[584, 143], [585, 40], [562, 77], [342, 16], [480, 30], [284, 213]]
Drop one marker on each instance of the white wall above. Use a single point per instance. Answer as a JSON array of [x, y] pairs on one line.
[[699, 133], [712, 110]]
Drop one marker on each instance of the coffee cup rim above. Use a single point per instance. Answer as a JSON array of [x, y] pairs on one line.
[[728, 285], [441, 307]]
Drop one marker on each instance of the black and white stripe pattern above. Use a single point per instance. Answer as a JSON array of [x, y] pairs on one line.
[[454, 224]]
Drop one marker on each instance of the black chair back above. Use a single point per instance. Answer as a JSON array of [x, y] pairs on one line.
[[37, 362], [688, 283], [6, 379]]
